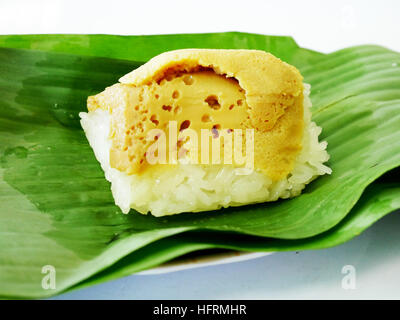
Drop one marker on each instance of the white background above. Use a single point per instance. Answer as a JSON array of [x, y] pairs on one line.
[[320, 25]]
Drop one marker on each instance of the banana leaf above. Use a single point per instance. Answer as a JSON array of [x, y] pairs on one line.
[[377, 201], [56, 208], [143, 48]]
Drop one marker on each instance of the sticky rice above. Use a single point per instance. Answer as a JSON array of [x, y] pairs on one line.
[[199, 187]]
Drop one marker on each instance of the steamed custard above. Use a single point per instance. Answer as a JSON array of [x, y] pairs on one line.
[[205, 89]]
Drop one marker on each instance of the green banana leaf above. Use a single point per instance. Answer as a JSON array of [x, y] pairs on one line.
[[56, 207], [377, 201], [143, 48]]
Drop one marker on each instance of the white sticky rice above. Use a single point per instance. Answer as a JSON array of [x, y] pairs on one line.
[[193, 188]]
